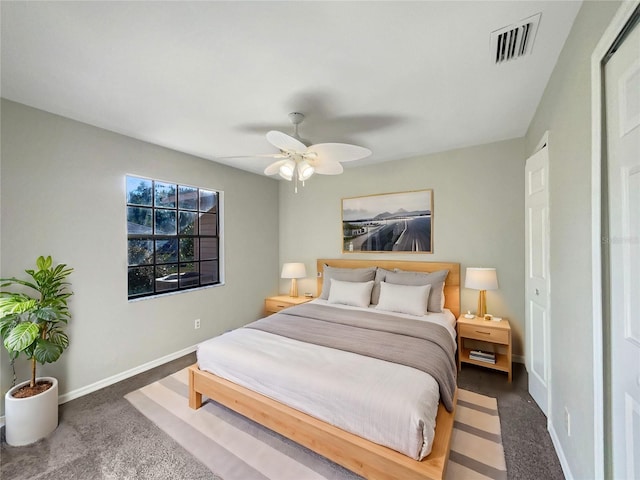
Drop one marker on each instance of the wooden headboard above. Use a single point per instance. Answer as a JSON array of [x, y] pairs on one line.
[[451, 284]]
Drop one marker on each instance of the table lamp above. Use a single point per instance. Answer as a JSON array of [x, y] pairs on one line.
[[293, 271], [482, 279]]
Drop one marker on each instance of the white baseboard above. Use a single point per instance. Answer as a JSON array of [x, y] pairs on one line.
[[80, 392], [556, 443]]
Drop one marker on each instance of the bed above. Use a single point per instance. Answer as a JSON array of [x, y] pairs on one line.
[[365, 457]]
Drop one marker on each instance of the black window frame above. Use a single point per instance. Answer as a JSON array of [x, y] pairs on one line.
[[155, 261]]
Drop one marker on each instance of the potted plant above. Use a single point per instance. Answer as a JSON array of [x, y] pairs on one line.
[[34, 325]]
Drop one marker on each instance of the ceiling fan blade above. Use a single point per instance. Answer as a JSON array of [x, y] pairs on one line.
[[285, 142], [268, 155], [274, 167], [339, 152], [326, 167]]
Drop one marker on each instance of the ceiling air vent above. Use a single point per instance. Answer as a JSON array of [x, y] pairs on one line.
[[514, 41]]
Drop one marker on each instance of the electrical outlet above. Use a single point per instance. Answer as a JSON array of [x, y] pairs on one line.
[[567, 421], [196, 324]]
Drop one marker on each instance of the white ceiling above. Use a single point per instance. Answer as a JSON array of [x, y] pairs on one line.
[[211, 78]]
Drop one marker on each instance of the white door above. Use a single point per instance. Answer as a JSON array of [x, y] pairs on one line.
[[537, 276], [622, 97]]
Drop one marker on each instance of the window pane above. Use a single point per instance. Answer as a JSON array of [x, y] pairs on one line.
[[187, 198], [166, 277], [165, 195], [140, 251], [167, 251], [189, 275], [208, 272], [188, 249], [187, 223], [165, 222], [139, 191], [208, 200], [139, 220], [208, 224], [140, 280], [172, 239], [208, 248]]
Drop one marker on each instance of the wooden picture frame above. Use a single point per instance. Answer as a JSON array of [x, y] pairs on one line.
[[398, 222]]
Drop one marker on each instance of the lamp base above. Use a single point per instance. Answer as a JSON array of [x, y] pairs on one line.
[[293, 291], [482, 304]]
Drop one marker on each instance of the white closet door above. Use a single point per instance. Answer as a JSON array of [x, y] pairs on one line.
[[622, 95], [537, 276]]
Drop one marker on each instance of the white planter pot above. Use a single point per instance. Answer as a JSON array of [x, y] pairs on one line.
[[27, 420]]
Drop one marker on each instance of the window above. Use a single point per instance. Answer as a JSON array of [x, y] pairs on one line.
[[172, 237]]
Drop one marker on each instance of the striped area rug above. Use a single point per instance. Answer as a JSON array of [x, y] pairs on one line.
[[235, 448]]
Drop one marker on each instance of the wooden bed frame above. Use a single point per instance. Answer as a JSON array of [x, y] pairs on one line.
[[361, 456]]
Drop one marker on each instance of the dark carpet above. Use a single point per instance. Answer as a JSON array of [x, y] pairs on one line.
[[528, 450]]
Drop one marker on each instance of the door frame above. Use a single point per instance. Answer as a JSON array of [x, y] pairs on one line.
[[609, 36]]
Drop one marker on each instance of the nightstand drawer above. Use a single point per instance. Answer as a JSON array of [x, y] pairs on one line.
[[488, 334], [274, 306], [280, 302]]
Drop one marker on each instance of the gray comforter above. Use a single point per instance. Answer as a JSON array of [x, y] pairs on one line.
[[414, 343]]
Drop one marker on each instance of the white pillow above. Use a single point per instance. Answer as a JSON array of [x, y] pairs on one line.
[[357, 294], [435, 279], [410, 299]]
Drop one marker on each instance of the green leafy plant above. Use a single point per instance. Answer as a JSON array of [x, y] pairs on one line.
[[33, 325]]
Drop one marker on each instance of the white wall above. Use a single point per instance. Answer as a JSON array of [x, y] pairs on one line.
[[63, 194], [478, 217], [565, 112]]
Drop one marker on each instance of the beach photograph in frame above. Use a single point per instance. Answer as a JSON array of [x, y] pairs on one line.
[[390, 222]]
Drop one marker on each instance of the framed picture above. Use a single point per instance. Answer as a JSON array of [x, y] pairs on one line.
[[390, 222]]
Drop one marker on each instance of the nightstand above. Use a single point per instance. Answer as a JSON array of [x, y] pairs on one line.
[[498, 334], [280, 302]]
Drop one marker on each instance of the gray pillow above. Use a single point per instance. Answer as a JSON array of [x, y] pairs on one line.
[[344, 275], [381, 275], [435, 279]]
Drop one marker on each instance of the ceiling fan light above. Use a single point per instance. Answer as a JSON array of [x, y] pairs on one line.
[[305, 171], [287, 169]]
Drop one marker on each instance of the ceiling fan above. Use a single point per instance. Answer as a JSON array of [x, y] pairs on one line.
[[298, 162]]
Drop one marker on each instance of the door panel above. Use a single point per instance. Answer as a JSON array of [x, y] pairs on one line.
[[537, 343], [538, 215], [632, 419], [631, 227]]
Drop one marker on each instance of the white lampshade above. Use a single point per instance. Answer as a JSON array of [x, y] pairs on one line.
[[481, 279], [287, 169], [293, 270], [305, 170]]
